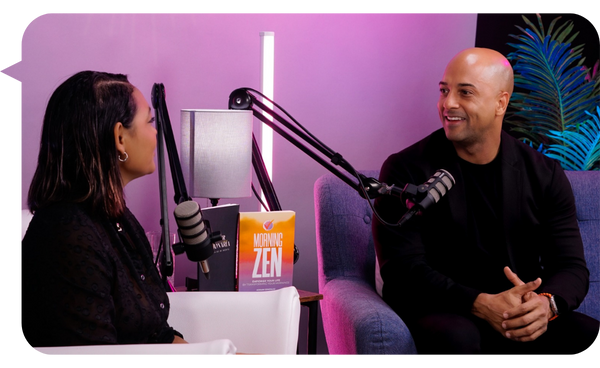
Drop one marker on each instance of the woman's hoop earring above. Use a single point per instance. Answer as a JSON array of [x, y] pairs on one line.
[[123, 159]]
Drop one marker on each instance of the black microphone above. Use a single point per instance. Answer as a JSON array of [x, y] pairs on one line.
[[194, 234], [426, 194]]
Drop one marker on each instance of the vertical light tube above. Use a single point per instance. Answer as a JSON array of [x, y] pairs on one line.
[[267, 48]]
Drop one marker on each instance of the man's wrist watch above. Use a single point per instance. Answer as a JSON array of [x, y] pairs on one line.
[[553, 306]]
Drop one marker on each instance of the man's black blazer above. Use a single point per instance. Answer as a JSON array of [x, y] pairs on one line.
[[428, 265]]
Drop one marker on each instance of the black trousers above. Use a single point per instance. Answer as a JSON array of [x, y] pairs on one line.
[[446, 333]]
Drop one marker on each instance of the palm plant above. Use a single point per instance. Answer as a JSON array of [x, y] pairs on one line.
[[554, 96]]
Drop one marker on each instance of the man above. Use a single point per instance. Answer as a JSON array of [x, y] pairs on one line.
[[455, 274]]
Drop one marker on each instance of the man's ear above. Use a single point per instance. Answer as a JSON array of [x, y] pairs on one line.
[[502, 103], [119, 131]]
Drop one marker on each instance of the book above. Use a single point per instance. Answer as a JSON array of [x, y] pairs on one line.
[[222, 264], [266, 250]]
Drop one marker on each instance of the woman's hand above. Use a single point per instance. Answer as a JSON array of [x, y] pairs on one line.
[[179, 340]]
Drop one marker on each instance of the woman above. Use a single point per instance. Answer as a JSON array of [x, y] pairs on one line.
[[88, 274]]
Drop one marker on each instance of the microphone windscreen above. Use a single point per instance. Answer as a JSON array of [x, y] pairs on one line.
[[442, 185], [437, 186], [447, 178], [189, 220]]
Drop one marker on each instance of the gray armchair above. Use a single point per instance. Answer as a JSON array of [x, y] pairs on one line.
[[355, 318]]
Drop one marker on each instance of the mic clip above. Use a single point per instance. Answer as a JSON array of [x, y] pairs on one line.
[[373, 188], [413, 194], [214, 237], [178, 248]]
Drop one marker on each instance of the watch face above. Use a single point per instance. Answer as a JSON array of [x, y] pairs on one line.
[[553, 305]]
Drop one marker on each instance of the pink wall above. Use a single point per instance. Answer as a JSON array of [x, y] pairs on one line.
[[365, 84]]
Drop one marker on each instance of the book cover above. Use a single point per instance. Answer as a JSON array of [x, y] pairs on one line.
[[222, 263], [266, 250]]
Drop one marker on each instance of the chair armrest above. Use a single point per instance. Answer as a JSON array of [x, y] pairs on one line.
[[360, 321], [261, 322], [211, 347]]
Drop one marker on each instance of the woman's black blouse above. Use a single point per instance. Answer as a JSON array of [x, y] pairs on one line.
[[88, 281]]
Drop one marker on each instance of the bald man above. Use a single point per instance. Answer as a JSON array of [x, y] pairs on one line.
[[497, 265], [474, 94]]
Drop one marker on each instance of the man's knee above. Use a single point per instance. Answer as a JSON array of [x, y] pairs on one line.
[[446, 333]]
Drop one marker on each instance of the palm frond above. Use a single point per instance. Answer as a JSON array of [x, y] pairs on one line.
[[553, 89], [549, 83], [579, 149]]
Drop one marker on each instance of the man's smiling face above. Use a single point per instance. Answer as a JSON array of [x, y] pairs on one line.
[[468, 101]]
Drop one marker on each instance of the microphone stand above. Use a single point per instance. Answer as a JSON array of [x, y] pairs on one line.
[[165, 133], [368, 188], [242, 99]]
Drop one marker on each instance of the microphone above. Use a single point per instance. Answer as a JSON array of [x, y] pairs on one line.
[[194, 234], [426, 194]]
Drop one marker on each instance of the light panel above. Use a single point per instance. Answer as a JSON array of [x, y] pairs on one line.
[[267, 47]]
